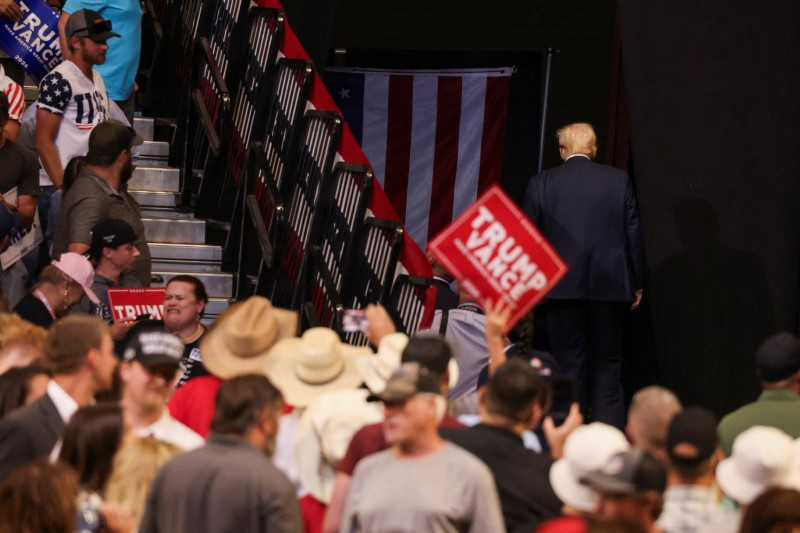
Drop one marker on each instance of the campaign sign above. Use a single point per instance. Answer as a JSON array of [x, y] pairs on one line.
[[33, 41], [22, 241], [494, 251], [134, 302]]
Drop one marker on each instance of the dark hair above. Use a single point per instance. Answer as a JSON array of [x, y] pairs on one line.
[[39, 496], [776, 510], [240, 402], [3, 106], [429, 350], [514, 389], [198, 288], [91, 439], [70, 339], [15, 385], [71, 171]]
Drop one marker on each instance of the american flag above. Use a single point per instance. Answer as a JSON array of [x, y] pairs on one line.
[[434, 137]]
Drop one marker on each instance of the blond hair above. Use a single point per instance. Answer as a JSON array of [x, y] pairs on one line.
[[135, 465], [577, 138], [649, 416]]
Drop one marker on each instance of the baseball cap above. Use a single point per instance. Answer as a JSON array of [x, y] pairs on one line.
[[633, 472], [111, 137], [778, 357], [406, 381], [692, 436], [110, 233], [91, 24], [79, 269], [153, 347], [586, 449]]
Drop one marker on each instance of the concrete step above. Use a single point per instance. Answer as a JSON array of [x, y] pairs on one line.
[[153, 149], [186, 266], [218, 284], [188, 231], [150, 162], [216, 305], [165, 212], [144, 126], [185, 252], [164, 179], [154, 198]]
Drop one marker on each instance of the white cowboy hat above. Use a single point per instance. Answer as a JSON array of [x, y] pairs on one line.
[[316, 363], [239, 342], [324, 433]]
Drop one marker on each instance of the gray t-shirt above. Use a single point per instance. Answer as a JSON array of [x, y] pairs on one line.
[[447, 491]]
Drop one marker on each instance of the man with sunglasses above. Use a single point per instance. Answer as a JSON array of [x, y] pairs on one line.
[[72, 101], [119, 70], [149, 370]]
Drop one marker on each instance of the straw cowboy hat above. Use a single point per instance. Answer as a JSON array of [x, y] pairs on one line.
[[318, 362], [240, 341], [324, 432]]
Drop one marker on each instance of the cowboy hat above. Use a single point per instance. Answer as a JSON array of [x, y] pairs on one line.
[[239, 342], [318, 362], [324, 433]]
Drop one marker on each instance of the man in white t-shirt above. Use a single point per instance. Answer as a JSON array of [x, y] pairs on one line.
[[72, 101], [16, 104]]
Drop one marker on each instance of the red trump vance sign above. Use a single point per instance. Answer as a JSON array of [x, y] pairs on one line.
[[136, 302], [494, 251]]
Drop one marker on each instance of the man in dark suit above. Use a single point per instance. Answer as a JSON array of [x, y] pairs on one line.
[[588, 213], [446, 297], [80, 351]]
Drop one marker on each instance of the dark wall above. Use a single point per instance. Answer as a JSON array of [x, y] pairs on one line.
[[714, 107], [581, 30]]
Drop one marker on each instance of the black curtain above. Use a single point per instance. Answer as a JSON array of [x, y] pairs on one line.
[[714, 110]]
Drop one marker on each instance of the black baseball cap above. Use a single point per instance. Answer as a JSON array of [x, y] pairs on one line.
[[112, 137], [692, 436], [152, 347], [110, 233], [633, 472], [406, 381], [91, 24], [778, 357]]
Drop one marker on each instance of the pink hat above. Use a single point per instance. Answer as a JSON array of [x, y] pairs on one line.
[[80, 269]]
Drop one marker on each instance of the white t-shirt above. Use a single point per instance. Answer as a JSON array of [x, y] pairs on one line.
[[82, 104], [169, 430]]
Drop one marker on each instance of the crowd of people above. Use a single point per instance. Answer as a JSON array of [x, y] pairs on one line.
[[247, 425]]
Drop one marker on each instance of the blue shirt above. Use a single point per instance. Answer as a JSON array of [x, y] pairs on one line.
[[122, 59]]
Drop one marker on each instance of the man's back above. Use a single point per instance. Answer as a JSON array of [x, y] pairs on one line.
[[588, 213], [521, 475], [448, 490], [227, 486], [776, 408], [28, 433]]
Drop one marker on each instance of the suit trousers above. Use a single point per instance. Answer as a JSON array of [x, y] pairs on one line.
[[586, 340]]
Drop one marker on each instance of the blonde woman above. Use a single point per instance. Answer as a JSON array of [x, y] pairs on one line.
[[135, 466]]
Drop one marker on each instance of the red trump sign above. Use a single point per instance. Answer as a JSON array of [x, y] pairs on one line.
[[132, 303], [494, 251]]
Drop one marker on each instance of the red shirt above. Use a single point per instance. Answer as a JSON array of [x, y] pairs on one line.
[[193, 404], [370, 439]]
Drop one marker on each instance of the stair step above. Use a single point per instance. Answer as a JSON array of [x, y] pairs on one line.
[[186, 266], [155, 198], [163, 179], [187, 231], [188, 252], [218, 284], [165, 212], [152, 149], [150, 162], [144, 126], [216, 305]]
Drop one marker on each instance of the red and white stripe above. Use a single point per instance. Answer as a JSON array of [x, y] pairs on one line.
[[435, 140], [16, 98]]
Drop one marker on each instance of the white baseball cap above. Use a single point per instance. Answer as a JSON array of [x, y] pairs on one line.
[[762, 457], [586, 450]]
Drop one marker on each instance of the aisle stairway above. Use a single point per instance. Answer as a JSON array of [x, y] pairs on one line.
[[177, 240]]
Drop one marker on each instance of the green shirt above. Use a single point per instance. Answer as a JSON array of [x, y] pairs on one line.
[[776, 408]]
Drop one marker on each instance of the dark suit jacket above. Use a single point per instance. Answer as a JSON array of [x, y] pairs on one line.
[[28, 433], [446, 298], [588, 213]]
